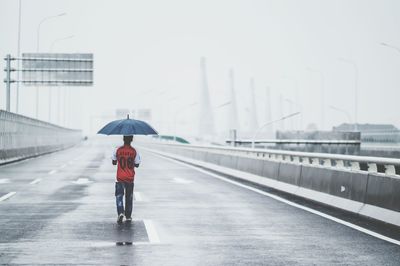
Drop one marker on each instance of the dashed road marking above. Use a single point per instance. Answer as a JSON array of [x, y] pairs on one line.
[[8, 195], [151, 231], [52, 172], [138, 196], [82, 181], [327, 216], [4, 181], [37, 180], [181, 180]]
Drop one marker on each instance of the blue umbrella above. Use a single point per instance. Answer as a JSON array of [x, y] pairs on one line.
[[127, 127]]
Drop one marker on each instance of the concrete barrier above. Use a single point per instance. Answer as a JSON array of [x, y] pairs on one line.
[[383, 191], [22, 137], [289, 173], [270, 169], [382, 198], [316, 178], [229, 161]]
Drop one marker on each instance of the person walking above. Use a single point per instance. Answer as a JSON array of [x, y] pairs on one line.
[[127, 159]]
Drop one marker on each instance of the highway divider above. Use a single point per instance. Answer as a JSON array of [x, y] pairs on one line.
[[368, 186], [23, 137]]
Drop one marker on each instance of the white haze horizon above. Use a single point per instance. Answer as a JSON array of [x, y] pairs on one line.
[[147, 55]]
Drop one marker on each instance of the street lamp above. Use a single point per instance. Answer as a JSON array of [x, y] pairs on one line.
[[321, 75], [355, 88], [299, 109], [59, 40], [18, 54], [38, 49], [269, 123], [295, 83], [342, 111], [40, 25], [391, 46], [291, 103]]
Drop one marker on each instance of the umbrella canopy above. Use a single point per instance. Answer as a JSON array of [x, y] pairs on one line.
[[127, 127]]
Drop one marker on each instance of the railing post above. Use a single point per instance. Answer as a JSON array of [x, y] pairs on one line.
[[327, 162], [372, 168], [355, 165], [390, 169], [340, 164]]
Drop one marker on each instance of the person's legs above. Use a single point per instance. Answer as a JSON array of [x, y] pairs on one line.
[[119, 195], [128, 199]]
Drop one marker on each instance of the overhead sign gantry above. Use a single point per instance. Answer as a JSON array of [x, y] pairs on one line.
[[51, 69]]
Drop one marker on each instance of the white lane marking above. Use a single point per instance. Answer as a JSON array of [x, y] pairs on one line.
[[8, 195], [327, 216], [63, 166], [112, 244], [181, 180], [52, 172], [138, 196], [4, 181], [151, 231], [81, 181], [37, 180]]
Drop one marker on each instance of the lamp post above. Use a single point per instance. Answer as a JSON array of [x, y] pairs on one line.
[[18, 55], [58, 89], [342, 111], [269, 123], [354, 65], [322, 78], [391, 46], [291, 104], [295, 83], [299, 109], [38, 49], [59, 40]]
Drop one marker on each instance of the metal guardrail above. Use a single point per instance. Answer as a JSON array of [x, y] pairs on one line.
[[296, 141], [387, 166]]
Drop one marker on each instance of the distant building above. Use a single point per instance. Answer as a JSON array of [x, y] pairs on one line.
[[381, 133]]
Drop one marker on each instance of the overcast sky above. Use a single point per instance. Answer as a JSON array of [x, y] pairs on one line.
[[156, 46]]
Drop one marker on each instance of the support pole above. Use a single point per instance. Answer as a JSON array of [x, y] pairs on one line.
[[8, 81]]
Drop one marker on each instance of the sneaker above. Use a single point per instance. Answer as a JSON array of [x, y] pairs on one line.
[[128, 219], [120, 218]]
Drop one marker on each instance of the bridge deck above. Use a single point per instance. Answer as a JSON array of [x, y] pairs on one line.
[[63, 212]]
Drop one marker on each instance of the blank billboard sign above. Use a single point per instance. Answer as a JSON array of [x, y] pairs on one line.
[[54, 69]]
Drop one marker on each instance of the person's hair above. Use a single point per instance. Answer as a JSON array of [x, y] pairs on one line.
[[128, 139]]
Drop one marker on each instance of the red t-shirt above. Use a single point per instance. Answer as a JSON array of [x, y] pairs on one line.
[[126, 158]]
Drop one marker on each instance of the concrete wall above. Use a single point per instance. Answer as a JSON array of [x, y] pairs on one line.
[[23, 137], [375, 195]]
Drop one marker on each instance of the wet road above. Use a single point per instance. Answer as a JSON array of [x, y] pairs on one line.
[[63, 212]]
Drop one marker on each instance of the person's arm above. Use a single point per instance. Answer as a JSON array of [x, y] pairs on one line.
[[114, 157], [137, 160]]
